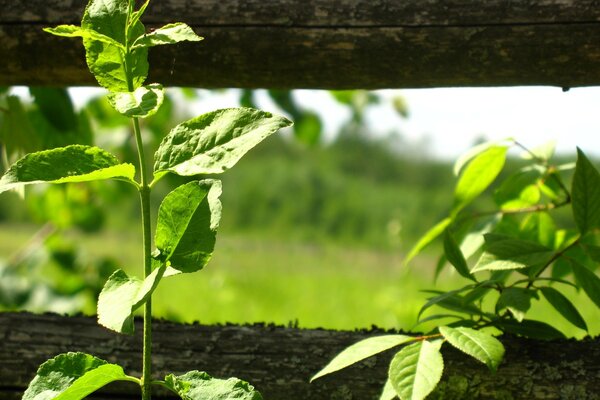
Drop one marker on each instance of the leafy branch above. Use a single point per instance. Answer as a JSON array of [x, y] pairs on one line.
[[521, 239]]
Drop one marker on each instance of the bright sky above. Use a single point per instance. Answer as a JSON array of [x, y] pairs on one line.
[[452, 119]]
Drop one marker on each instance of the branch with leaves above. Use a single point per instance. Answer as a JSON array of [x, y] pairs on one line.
[[116, 45], [521, 251]]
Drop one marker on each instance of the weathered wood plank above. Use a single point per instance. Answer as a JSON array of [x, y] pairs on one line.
[[330, 44], [280, 361]]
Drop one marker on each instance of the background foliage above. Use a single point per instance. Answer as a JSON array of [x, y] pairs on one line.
[[333, 218]]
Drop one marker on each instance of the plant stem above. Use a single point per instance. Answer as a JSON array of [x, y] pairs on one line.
[[147, 238]]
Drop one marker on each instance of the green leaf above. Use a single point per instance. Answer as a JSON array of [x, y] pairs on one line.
[[592, 251], [479, 345], [416, 370], [361, 350], [187, 224], [73, 376], [388, 392], [516, 300], [56, 106], [585, 194], [122, 295], [475, 151], [136, 15], [74, 163], [588, 281], [214, 142], [530, 328], [106, 61], [141, 103], [564, 306], [77, 31], [519, 190], [478, 175], [168, 34], [196, 385], [455, 256], [450, 300], [427, 238], [506, 253]]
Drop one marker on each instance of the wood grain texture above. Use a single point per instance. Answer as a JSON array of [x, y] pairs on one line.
[[280, 361], [330, 44]]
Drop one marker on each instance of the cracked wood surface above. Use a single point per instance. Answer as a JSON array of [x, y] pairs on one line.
[[280, 361], [331, 44]]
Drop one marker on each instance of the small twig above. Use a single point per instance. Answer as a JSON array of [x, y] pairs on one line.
[[32, 245]]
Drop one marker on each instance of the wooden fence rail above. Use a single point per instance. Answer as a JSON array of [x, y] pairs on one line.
[[331, 44], [279, 361]]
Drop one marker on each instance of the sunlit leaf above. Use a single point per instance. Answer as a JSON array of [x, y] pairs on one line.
[[516, 300], [480, 345], [564, 306], [474, 151], [479, 175], [361, 350], [187, 224], [543, 152], [427, 238], [105, 60], [77, 31], [585, 194], [72, 376], [416, 370], [74, 163], [455, 256], [122, 295], [196, 385], [141, 103], [168, 34], [505, 253], [214, 142], [388, 392]]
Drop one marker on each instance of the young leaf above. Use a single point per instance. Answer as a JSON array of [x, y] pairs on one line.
[[136, 15], [388, 392], [122, 295], [168, 34], [427, 238], [196, 385], [361, 350], [478, 175], [74, 163], [187, 224], [214, 142], [73, 376], [516, 300], [475, 151], [77, 31], [109, 18], [416, 370], [455, 256], [585, 194], [141, 103], [589, 281], [530, 328], [564, 306], [477, 344], [505, 253]]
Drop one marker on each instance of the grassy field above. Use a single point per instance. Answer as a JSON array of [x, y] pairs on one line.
[[258, 279]]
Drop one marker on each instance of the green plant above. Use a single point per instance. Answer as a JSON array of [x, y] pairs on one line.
[[116, 45], [519, 246]]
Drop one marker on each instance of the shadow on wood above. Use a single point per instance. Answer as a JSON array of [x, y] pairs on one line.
[[280, 361]]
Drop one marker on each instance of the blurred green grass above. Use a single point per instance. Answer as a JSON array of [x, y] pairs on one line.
[[284, 281]]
